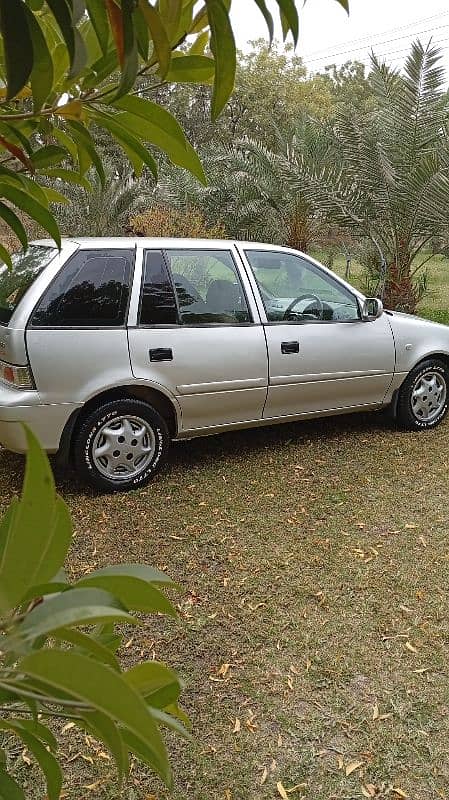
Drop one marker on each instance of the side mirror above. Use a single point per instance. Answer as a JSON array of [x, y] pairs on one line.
[[372, 308]]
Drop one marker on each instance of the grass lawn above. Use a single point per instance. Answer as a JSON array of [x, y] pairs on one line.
[[313, 634]]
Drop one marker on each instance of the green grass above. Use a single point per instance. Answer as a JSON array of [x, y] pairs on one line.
[[312, 558], [314, 562]]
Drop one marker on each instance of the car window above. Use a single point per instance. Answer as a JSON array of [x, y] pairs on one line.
[[92, 289], [157, 302], [16, 281], [208, 287], [294, 289]]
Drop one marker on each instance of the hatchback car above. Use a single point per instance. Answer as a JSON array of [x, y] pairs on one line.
[[110, 348]]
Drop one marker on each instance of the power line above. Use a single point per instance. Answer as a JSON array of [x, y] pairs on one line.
[[389, 54], [369, 37], [372, 45]]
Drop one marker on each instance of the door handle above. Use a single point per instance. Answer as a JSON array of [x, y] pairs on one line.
[[289, 347], [161, 354]]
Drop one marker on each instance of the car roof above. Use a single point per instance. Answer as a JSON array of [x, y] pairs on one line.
[[162, 241]]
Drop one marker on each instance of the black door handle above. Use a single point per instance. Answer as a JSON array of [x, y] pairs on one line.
[[289, 347], [161, 354]]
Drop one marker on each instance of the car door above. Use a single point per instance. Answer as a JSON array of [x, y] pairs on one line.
[[322, 356], [198, 335]]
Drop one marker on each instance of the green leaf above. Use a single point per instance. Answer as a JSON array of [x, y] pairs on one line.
[[63, 15], [146, 573], [33, 208], [170, 11], [66, 142], [74, 607], [42, 73], [158, 34], [222, 45], [142, 34], [39, 527], [130, 54], [80, 56], [106, 691], [290, 21], [158, 684], [162, 718], [68, 176], [88, 643], [14, 223], [55, 197], [132, 592], [87, 144], [48, 156], [9, 789], [6, 258], [40, 731], [103, 728], [46, 761], [99, 19], [191, 69], [6, 523], [267, 17], [199, 45], [152, 123], [17, 45], [130, 143]]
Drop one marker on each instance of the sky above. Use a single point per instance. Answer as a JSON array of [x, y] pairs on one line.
[[328, 35]]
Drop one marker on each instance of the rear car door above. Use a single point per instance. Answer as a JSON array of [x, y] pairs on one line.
[[322, 356], [197, 334]]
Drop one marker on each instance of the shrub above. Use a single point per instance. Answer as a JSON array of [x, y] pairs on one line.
[[161, 220]]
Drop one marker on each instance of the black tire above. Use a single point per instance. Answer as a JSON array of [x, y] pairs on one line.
[[409, 418], [110, 414]]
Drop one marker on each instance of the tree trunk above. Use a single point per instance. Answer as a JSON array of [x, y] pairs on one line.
[[400, 292]]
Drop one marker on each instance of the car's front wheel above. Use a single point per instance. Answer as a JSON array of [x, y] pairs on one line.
[[424, 396], [121, 445]]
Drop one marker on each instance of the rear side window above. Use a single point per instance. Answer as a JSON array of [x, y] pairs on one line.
[[15, 282], [91, 290], [157, 304]]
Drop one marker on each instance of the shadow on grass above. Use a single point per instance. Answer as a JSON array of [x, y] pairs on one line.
[[219, 447]]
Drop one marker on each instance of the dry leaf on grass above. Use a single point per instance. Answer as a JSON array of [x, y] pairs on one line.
[[411, 647], [281, 791], [399, 792], [350, 768], [237, 726], [368, 790], [264, 776]]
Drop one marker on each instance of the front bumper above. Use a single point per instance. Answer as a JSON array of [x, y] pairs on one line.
[[46, 421]]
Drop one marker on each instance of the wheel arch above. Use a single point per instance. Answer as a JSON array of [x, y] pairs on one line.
[[148, 394]]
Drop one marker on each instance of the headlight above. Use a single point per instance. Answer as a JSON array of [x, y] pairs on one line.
[[20, 377]]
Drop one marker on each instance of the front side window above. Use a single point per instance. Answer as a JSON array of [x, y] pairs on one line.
[[295, 290], [91, 290], [208, 287], [16, 281]]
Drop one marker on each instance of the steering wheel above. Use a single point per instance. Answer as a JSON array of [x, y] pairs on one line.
[[305, 297]]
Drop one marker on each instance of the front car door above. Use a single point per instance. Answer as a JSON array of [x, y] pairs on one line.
[[322, 356], [198, 334]]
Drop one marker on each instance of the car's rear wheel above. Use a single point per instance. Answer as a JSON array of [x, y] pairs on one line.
[[121, 445], [424, 396]]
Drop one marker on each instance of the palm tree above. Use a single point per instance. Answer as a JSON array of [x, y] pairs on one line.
[[249, 187], [105, 210], [390, 183]]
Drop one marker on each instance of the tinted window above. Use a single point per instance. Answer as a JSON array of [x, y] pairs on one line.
[[14, 283], [91, 289], [208, 287], [157, 305], [295, 290]]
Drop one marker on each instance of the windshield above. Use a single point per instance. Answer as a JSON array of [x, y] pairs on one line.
[[15, 282]]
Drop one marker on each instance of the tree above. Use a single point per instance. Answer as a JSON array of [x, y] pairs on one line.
[[68, 65], [390, 181], [103, 209], [169, 222], [52, 666]]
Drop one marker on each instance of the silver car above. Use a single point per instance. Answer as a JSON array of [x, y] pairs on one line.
[[110, 348]]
